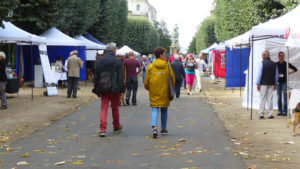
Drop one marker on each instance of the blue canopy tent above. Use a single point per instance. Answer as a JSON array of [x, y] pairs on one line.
[[236, 64], [58, 44], [93, 39]]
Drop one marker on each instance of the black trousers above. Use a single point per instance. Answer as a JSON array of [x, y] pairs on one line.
[[178, 85], [131, 85], [72, 86]]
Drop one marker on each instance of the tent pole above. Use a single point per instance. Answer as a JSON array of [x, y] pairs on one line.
[[287, 81], [240, 70], [232, 69], [32, 84], [248, 78], [252, 78]]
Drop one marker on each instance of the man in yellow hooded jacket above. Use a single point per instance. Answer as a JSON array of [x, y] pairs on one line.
[[157, 83]]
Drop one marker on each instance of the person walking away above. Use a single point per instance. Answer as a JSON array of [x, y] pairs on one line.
[[179, 72], [282, 83], [145, 64], [3, 81], [131, 65], [172, 58], [73, 66], [157, 83], [199, 72], [110, 66], [190, 67], [266, 84]]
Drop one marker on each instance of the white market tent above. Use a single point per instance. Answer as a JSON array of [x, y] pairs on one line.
[[125, 50], [241, 40], [209, 48], [12, 34], [54, 37], [91, 47], [270, 36]]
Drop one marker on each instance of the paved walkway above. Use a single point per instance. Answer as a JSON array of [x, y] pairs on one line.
[[74, 140]]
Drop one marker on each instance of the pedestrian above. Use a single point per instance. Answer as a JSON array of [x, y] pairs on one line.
[[190, 66], [110, 66], [172, 58], [132, 68], [145, 64], [179, 72], [59, 65], [157, 83], [199, 72], [282, 83], [266, 84], [73, 66], [3, 81]]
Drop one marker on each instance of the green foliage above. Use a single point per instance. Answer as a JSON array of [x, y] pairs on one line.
[[234, 17], [7, 6], [141, 35], [205, 35], [192, 46], [112, 21], [164, 34]]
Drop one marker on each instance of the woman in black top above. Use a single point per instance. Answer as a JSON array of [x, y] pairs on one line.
[[3, 81]]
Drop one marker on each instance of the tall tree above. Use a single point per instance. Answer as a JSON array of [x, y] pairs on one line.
[[111, 24], [164, 34], [141, 35], [6, 7], [192, 46]]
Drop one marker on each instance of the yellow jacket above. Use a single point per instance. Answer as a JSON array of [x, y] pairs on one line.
[[157, 83]]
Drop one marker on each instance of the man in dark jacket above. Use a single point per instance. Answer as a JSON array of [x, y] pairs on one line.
[[3, 81], [266, 84], [179, 72], [110, 66]]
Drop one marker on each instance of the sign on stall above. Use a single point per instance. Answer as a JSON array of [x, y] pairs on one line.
[[48, 75]]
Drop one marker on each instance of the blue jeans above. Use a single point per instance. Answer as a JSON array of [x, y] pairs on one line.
[[281, 90], [164, 116], [144, 72]]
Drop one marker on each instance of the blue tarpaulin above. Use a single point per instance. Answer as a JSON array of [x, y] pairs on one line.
[[237, 61], [91, 38], [53, 53]]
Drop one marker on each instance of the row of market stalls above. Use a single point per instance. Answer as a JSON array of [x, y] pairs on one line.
[[243, 56]]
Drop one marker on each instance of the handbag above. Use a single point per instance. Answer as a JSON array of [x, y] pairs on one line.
[[172, 90]]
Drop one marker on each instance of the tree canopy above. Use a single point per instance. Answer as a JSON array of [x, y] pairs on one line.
[[164, 34], [7, 6]]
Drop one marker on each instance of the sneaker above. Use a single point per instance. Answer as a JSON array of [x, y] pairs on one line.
[[118, 130], [164, 132], [154, 133], [188, 93], [3, 107], [279, 114], [284, 114], [191, 93], [271, 117], [261, 117], [134, 104], [101, 134], [127, 102]]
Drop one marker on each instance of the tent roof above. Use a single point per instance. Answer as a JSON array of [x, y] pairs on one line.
[[209, 48], [89, 44], [239, 40], [125, 49], [221, 47], [93, 39], [276, 27], [12, 34], [54, 37]]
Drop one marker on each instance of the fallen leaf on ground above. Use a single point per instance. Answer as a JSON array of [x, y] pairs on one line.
[[23, 163], [9, 149], [41, 150], [286, 159], [1, 165], [252, 167], [189, 161], [164, 141], [147, 137], [165, 154], [25, 155], [182, 140], [135, 154], [80, 156], [78, 162], [288, 142], [180, 127], [60, 163]]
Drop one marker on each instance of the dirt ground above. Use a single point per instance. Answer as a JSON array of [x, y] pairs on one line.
[[262, 144], [25, 115]]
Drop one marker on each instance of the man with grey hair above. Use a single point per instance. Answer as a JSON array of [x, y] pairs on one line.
[[3, 81], [179, 72], [109, 66], [73, 66], [266, 84]]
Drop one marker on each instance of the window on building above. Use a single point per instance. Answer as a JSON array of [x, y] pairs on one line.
[[223, 60], [138, 7]]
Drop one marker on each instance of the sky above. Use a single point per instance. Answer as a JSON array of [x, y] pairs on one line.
[[187, 14]]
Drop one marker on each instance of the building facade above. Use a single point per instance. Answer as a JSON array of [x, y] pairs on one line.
[[142, 8]]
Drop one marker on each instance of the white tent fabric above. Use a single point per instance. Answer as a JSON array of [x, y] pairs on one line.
[[242, 39], [293, 35], [221, 47], [91, 48], [124, 50], [12, 34], [209, 48], [276, 27], [54, 37], [89, 44], [274, 45]]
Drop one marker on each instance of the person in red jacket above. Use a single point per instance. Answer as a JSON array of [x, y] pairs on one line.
[[172, 58]]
